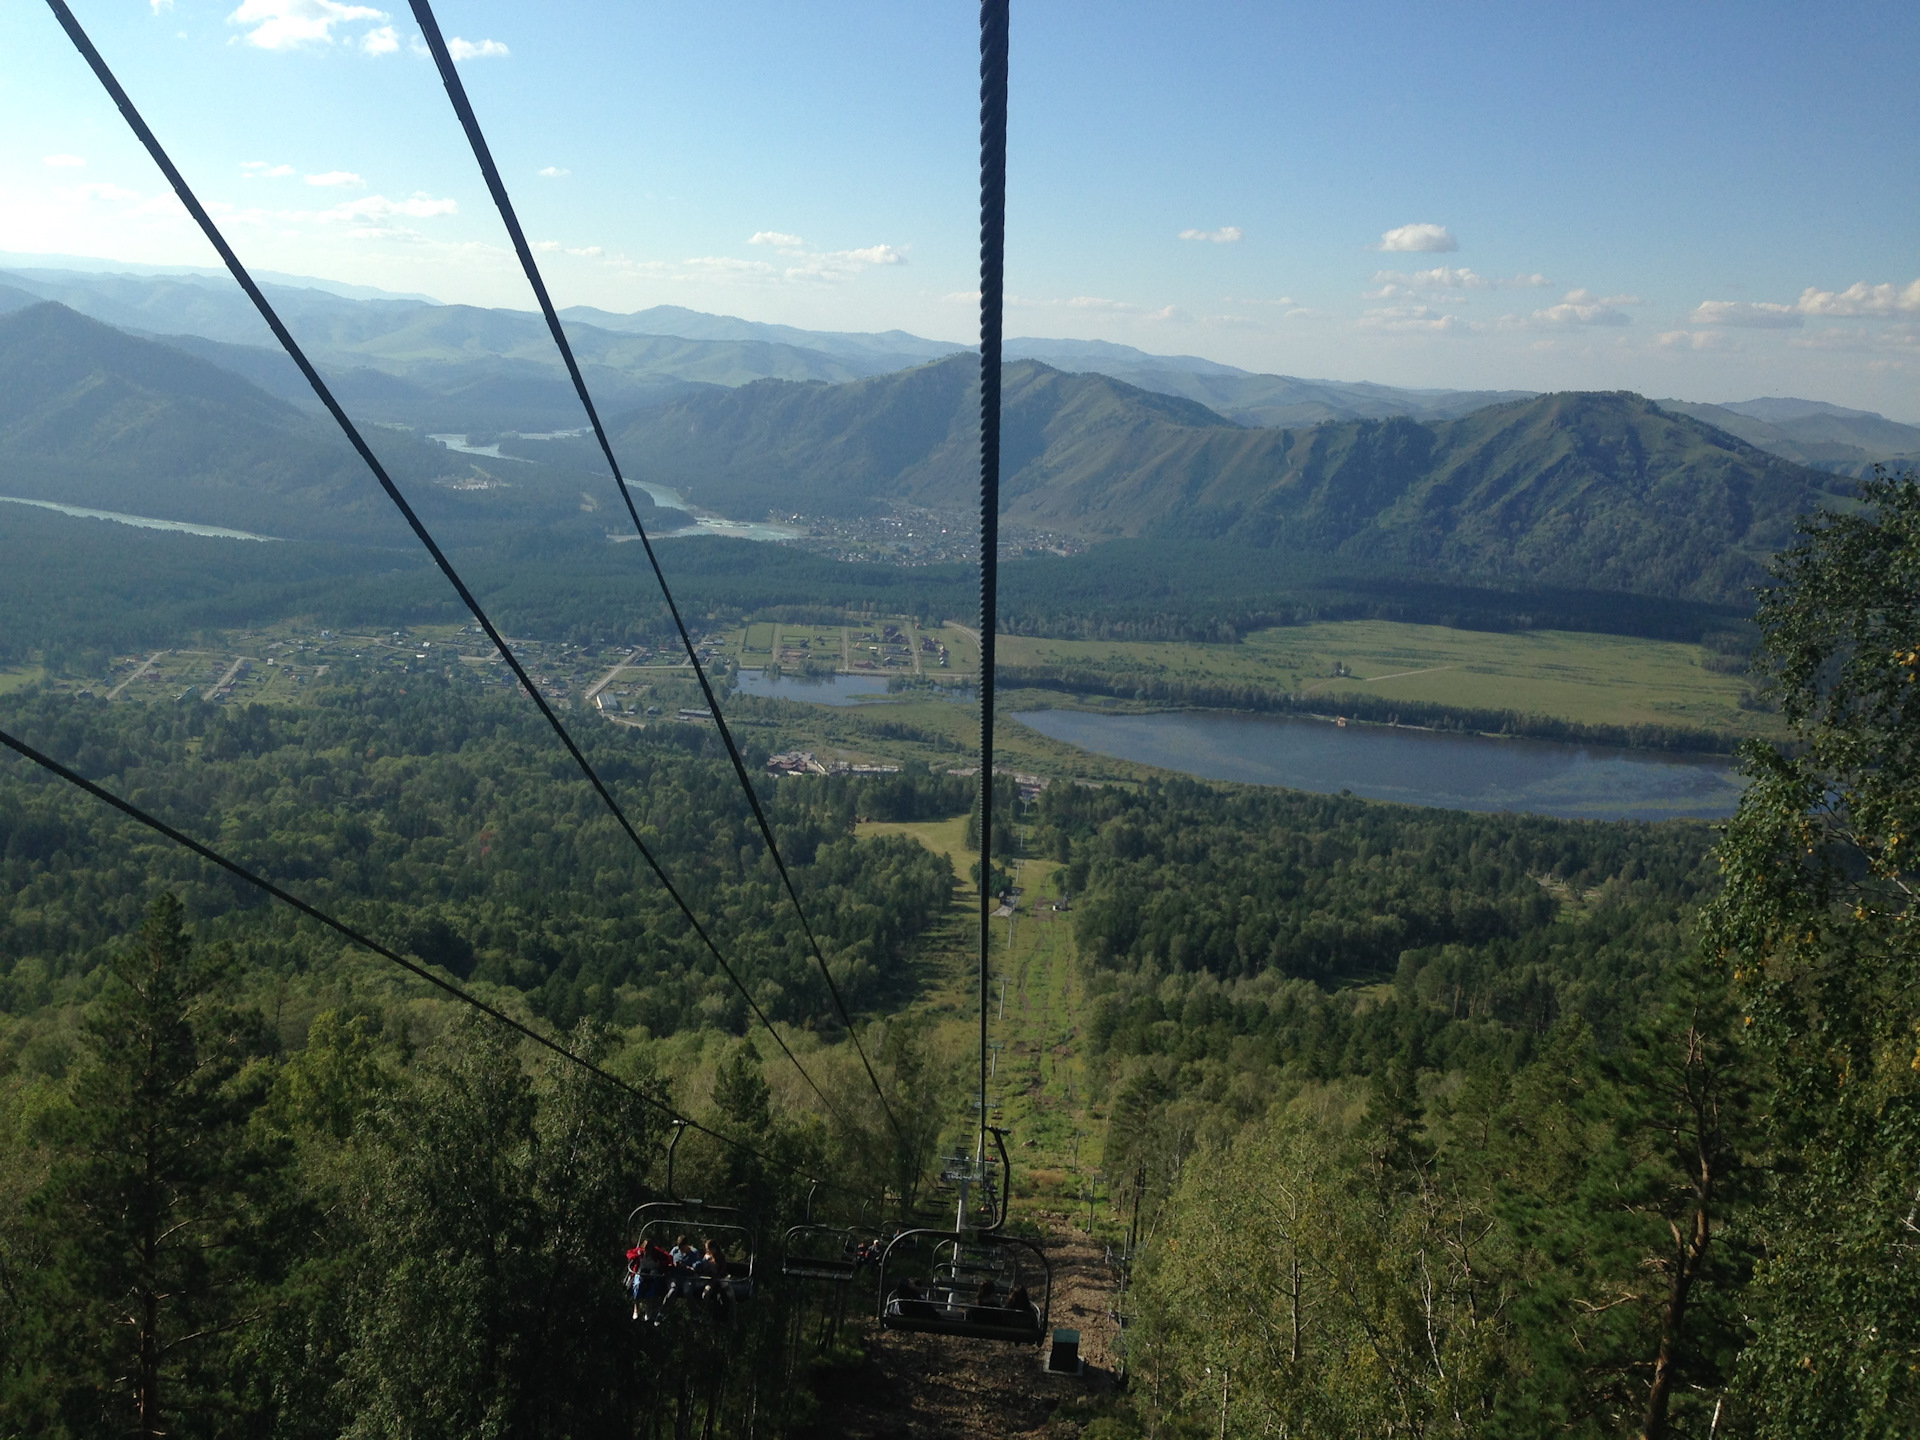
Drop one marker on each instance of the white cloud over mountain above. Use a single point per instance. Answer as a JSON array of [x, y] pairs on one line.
[[1859, 301], [1424, 237], [1414, 320]]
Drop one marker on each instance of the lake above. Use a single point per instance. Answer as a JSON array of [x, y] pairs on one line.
[[1415, 767], [820, 690]]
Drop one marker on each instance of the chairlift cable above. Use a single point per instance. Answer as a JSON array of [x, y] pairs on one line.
[[320, 389], [994, 20], [457, 93], [339, 927]]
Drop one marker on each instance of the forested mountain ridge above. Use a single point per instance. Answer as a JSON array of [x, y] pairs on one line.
[[92, 416], [852, 449], [1607, 491]]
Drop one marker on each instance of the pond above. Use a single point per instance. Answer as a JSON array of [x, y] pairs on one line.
[[1416, 767], [814, 690]]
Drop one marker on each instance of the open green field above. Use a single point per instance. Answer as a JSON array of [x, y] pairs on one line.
[[1038, 1086], [1593, 679]]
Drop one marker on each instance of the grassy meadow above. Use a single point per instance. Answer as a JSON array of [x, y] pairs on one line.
[[1594, 679]]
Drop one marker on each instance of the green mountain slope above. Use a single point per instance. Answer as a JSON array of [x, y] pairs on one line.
[[1826, 437], [1603, 491], [92, 416]]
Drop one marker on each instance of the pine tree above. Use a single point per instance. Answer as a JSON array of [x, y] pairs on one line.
[[161, 1203], [1816, 928]]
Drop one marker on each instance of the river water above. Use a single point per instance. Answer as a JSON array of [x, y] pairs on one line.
[[1416, 767], [144, 522]]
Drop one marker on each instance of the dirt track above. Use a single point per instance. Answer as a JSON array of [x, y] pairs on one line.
[[929, 1388]]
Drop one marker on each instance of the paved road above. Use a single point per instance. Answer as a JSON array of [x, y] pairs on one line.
[[608, 678], [114, 694], [239, 664]]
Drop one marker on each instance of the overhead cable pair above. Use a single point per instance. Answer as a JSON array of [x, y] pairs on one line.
[[185, 192]]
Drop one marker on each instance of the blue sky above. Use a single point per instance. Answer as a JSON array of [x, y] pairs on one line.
[[1709, 201]]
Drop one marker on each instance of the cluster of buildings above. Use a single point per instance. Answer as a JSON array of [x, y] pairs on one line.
[[804, 762]]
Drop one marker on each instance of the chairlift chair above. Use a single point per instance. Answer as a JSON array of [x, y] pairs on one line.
[[930, 1280], [815, 1251], [660, 1221]]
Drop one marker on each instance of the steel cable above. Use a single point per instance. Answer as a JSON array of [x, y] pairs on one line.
[[320, 389], [994, 21], [339, 927], [463, 109]]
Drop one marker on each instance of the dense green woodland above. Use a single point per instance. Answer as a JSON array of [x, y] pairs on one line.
[[1439, 1124], [1622, 1142], [450, 819], [78, 591]]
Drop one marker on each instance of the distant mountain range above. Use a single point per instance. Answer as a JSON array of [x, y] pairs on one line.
[[92, 416], [1606, 491], [407, 360], [1602, 491]]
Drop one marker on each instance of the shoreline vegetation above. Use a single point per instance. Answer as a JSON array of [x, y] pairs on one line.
[[1152, 693]]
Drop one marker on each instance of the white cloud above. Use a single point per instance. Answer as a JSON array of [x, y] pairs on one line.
[[779, 239], [289, 24], [554, 172], [1576, 308], [476, 49], [380, 42], [64, 162], [1423, 237], [588, 252], [1447, 277], [160, 7], [104, 190], [1860, 299], [261, 170], [1413, 320], [419, 206], [335, 178], [727, 265], [1745, 314], [1225, 235], [1690, 340]]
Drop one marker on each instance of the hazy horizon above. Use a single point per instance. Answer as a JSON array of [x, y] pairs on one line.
[[1708, 203]]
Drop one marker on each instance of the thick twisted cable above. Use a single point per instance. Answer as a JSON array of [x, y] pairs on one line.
[[993, 264], [299, 357], [341, 928], [463, 108]]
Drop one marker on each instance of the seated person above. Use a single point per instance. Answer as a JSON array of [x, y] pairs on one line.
[[648, 1271], [1020, 1309], [918, 1304], [712, 1268]]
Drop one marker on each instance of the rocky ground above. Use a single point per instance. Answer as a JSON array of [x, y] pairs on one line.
[[931, 1388]]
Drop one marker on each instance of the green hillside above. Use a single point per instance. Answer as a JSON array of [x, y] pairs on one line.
[[94, 417], [1600, 491]]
